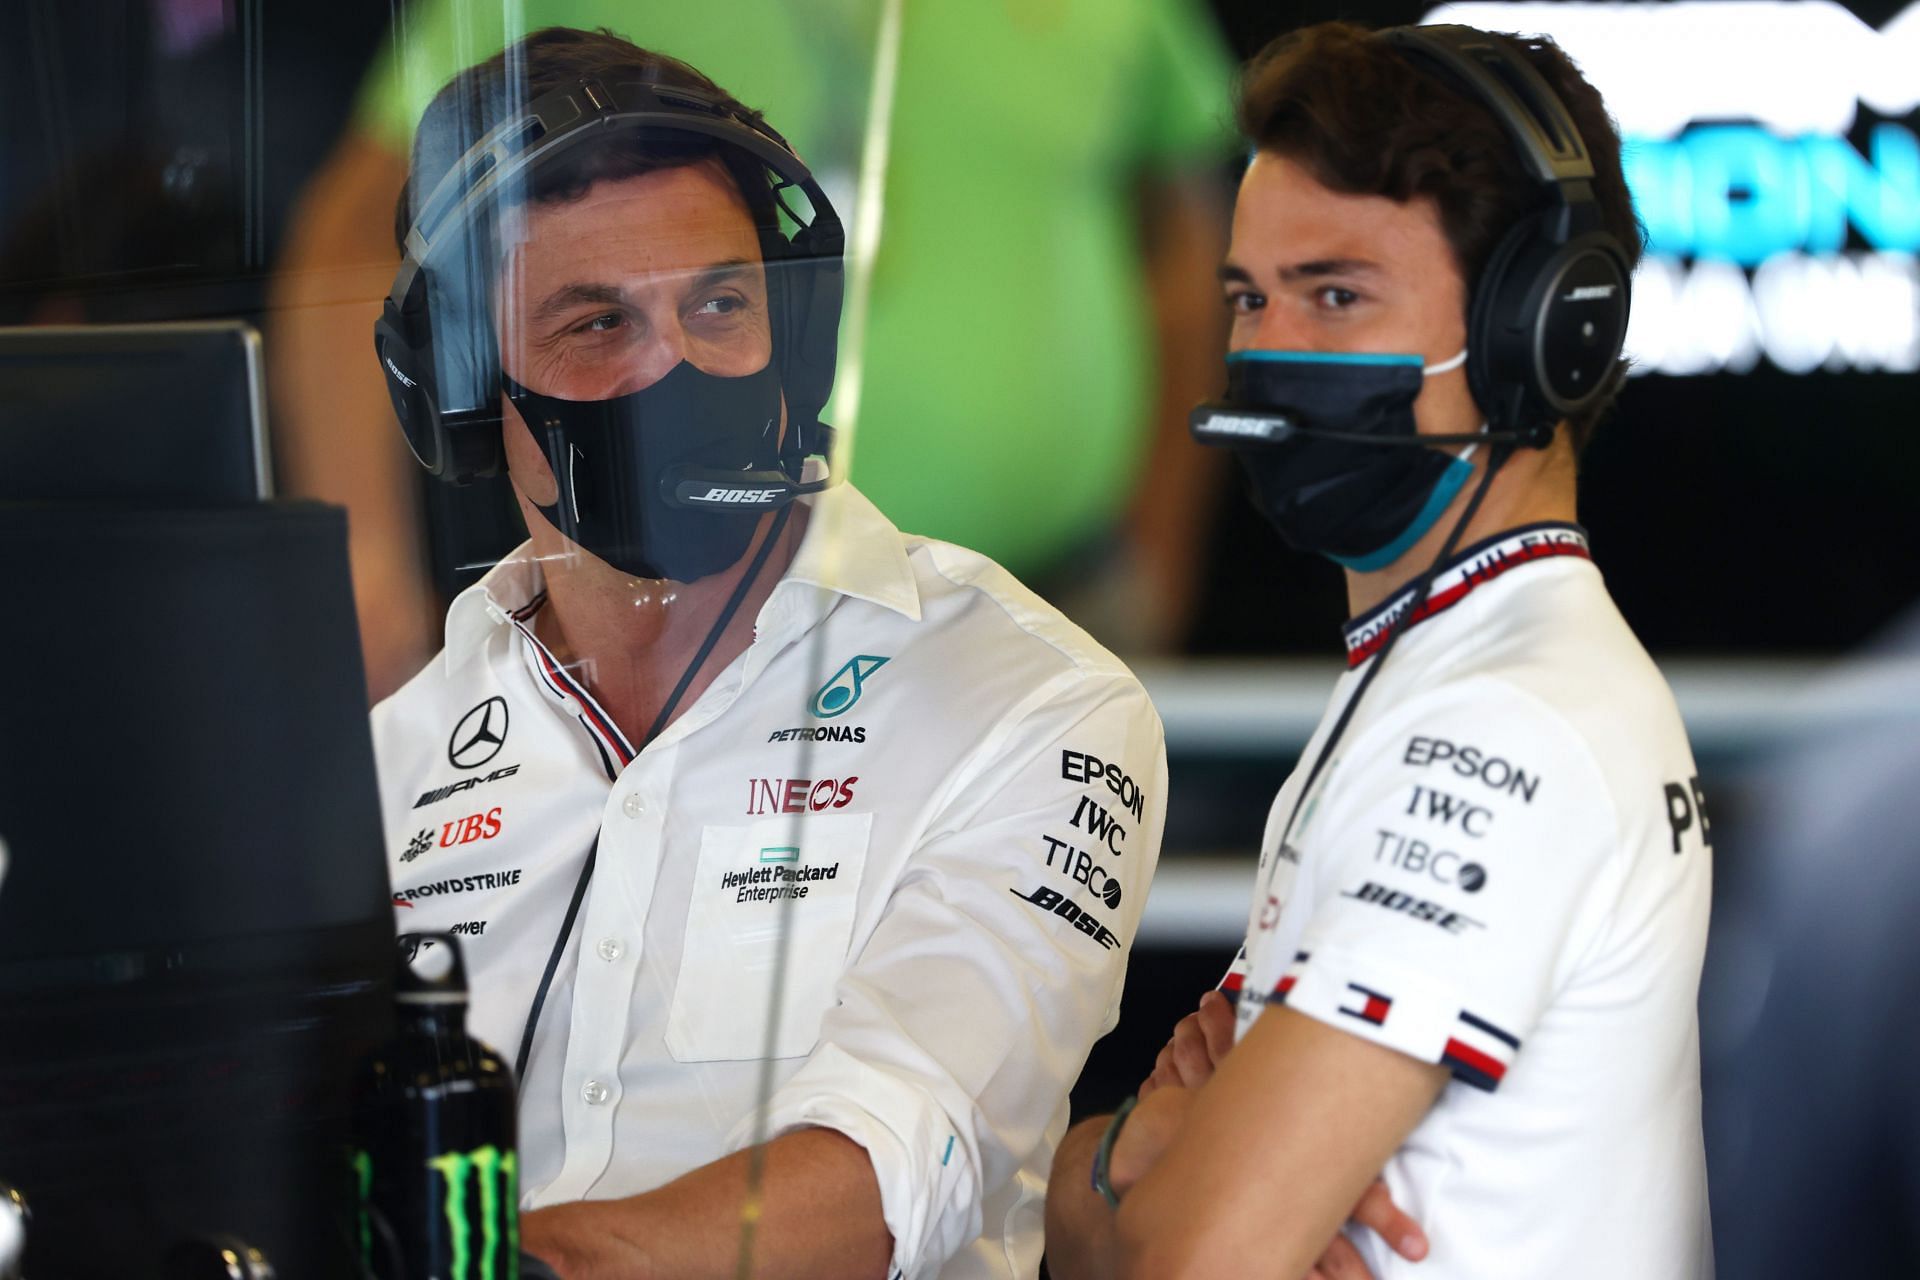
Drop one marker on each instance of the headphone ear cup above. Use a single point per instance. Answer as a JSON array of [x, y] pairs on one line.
[[1501, 370], [1546, 326], [456, 447], [408, 387]]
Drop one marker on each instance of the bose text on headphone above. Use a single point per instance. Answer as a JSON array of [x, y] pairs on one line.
[[435, 339]]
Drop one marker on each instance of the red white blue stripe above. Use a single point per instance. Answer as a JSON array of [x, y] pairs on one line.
[[616, 753], [1471, 569]]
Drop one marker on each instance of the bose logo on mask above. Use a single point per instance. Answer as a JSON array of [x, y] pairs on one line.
[[1589, 293], [408, 382], [738, 497]]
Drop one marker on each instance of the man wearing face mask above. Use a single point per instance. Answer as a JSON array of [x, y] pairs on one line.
[[1476, 934], [719, 725]]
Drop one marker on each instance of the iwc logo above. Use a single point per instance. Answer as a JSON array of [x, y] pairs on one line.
[[479, 735], [837, 695]]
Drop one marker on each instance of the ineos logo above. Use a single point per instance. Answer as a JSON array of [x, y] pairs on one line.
[[479, 735]]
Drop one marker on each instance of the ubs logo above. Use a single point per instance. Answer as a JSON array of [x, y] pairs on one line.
[[479, 735]]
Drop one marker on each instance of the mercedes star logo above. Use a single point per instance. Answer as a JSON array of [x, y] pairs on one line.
[[479, 735]]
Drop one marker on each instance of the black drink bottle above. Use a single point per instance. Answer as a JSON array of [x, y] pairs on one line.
[[438, 1172]]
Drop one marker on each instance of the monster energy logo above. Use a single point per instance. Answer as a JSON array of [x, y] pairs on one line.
[[498, 1175]]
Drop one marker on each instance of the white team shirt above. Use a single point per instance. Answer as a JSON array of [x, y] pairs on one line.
[[953, 792], [1504, 868]]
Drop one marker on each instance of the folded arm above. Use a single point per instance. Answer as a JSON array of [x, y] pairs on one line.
[[1269, 1158]]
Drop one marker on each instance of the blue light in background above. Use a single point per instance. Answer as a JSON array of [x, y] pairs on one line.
[[1740, 193]]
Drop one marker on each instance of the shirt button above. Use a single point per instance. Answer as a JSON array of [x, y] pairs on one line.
[[632, 806], [610, 949], [595, 1093]]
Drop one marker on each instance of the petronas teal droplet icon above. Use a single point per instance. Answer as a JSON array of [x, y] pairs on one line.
[[842, 690]]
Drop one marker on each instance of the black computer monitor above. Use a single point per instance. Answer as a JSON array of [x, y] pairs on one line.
[[195, 922], [156, 414]]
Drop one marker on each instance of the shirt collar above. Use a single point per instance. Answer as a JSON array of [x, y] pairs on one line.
[[1466, 571], [512, 589], [849, 549]]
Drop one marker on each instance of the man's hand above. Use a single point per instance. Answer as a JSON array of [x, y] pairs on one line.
[[1146, 1135], [1378, 1213], [1199, 1041]]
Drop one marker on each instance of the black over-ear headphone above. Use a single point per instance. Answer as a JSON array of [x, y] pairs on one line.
[[435, 338], [1549, 311]]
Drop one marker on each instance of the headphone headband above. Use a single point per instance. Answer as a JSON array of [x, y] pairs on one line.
[[567, 116], [1548, 313], [1512, 88]]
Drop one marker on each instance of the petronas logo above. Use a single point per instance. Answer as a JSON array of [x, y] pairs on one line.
[[482, 1183]]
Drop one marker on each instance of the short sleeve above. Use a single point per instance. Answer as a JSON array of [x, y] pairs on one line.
[[1184, 104], [1458, 863]]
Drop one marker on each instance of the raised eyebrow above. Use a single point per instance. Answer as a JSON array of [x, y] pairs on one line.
[[1327, 267]]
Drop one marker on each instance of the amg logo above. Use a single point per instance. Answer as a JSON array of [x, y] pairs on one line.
[[438, 794], [1418, 908], [739, 497], [1589, 293]]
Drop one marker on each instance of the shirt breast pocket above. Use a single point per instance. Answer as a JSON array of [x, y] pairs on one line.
[[801, 872]]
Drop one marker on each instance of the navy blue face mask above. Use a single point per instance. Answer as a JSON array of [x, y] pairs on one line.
[[1331, 454], [622, 468]]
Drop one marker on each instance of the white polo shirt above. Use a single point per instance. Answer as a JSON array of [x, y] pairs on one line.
[[952, 795], [1504, 868]]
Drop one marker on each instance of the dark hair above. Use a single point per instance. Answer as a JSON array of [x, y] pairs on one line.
[[1364, 121], [478, 99]]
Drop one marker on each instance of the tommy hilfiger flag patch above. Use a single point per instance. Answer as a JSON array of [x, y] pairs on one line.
[[1479, 1053], [1366, 1004]]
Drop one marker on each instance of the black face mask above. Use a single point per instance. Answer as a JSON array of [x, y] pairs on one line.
[[668, 481], [1331, 452]]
